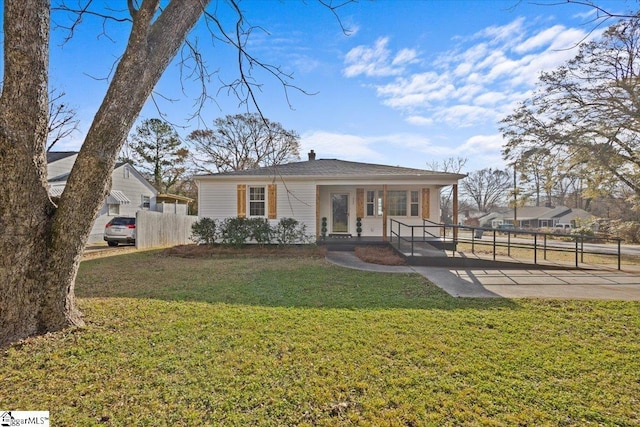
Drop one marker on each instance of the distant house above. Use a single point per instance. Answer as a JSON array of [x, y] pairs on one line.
[[330, 191], [490, 220], [546, 217], [130, 191]]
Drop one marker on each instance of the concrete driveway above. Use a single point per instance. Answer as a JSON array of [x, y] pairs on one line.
[[515, 283]]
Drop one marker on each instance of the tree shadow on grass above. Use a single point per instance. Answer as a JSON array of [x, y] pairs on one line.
[[267, 282]]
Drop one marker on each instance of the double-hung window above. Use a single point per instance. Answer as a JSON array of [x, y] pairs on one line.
[[374, 203], [397, 201], [415, 203], [257, 201]]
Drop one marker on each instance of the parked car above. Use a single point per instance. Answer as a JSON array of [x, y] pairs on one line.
[[564, 227], [120, 230]]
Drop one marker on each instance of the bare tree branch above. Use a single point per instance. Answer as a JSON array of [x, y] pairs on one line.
[[62, 119]]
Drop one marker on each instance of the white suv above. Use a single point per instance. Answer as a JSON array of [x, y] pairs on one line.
[[120, 230]]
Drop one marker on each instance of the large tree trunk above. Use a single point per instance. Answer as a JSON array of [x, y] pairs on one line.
[[25, 209], [41, 244]]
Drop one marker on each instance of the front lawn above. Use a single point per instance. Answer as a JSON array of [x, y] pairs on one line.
[[284, 341]]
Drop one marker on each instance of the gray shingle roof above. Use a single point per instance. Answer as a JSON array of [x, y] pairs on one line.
[[331, 167], [53, 156]]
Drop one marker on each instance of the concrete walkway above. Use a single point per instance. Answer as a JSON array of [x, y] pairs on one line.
[[517, 283]]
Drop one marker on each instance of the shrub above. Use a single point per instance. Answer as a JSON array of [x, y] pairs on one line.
[[583, 231], [235, 231], [290, 231], [261, 230], [204, 231], [626, 230]]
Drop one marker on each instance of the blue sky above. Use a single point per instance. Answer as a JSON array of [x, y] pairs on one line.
[[415, 82]]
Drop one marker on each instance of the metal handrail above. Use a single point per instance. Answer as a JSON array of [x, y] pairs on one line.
[[402, 232]]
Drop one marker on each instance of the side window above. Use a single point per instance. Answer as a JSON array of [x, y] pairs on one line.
[[146, 202], [415, 197], [374, 203], [257, 199], [114, 209], [371, 203]]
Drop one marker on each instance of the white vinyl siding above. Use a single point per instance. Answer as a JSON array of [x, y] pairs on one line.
[[217, 199], [60, 167], [135, 188]]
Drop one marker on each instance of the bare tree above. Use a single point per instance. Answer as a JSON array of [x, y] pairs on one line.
[[487, 188], [451, 165], [587, 110], [243, 141], [62, 119], [41, 243]]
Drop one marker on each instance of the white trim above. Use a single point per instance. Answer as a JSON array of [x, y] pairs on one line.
[[117, 197]]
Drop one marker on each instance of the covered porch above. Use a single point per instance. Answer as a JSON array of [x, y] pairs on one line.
[[363, 212]]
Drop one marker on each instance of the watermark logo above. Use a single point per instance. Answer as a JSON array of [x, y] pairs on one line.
[[24, 418]]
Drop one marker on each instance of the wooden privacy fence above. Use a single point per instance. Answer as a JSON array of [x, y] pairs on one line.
[[156, 229]]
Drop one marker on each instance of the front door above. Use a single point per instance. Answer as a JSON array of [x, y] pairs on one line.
[[340, 217]]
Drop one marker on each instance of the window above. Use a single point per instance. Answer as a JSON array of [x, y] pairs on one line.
[[125, 172], [400, 202], [397, 201], [371, 200], [415, 197], [257, 198], [146, 202], [374, 203], [114, 209]]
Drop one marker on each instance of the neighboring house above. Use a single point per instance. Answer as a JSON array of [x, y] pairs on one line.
[[339, 191], [490, 220], [546, 217], [130, 191]]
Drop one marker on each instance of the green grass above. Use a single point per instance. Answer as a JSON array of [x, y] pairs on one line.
[[295, 341]]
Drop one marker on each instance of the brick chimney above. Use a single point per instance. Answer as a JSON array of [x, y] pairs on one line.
[[312, 155]]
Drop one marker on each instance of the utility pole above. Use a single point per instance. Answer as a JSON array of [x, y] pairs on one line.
[[515, 197]]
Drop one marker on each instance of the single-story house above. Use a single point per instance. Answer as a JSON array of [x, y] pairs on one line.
[[130, 191], [490, 220], [546, 217], [335, 191]]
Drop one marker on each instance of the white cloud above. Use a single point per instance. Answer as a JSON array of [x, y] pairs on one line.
[[509, 33], [405, 56], [472, 84], [490, 98], [373, 61], [482, 144], [541, 39], [418, 90], [465, 115], [372, 149], [419, 120], [337, 145]]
